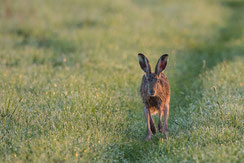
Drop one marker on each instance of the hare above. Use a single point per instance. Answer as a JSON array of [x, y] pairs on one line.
[[155, 93]]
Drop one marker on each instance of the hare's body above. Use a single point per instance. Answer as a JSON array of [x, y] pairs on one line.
[[156, 102], [155, 93]]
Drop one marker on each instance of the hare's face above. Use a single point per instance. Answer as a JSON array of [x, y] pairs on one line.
[[153, 84], [152, 79]]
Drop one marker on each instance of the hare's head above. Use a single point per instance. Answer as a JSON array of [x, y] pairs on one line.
[[153, 79]]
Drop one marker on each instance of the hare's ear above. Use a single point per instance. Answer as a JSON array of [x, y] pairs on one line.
[[162, 63], [144, 63]]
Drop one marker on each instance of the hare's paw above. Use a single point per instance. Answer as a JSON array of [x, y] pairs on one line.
[[166, 132], [160, 128], [148, 137]]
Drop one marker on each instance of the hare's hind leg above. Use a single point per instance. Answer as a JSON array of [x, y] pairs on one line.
[[147, 116], [166, 116]]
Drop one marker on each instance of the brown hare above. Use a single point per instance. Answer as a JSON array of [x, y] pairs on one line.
[[155, 93]]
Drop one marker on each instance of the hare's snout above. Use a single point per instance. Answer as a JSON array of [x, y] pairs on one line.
[[151, 92]]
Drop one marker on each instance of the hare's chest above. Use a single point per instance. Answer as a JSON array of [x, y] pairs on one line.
[[153, 102]]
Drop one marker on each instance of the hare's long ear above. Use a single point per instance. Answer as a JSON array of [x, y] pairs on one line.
[[162, 63], [144, 63]]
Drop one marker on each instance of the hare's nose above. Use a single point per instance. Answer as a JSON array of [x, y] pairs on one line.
[[152, 92]]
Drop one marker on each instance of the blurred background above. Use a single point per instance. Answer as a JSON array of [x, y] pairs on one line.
[[70, 78]]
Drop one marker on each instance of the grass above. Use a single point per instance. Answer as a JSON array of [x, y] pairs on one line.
[[70, 80]]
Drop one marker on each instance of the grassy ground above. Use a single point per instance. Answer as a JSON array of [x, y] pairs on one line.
[[69, 88]]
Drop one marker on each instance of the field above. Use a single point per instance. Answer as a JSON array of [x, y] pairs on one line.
[[70, 79]]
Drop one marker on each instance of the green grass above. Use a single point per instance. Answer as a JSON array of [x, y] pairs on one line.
[[69, 88]]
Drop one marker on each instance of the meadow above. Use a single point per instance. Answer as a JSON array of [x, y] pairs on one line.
[[70, 79]]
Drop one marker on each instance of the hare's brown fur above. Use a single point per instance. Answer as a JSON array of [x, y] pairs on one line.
[[161, 99], [155, 93]]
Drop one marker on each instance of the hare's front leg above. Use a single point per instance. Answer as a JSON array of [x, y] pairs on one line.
[[147, 116], [160, 126], [166, 116]]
